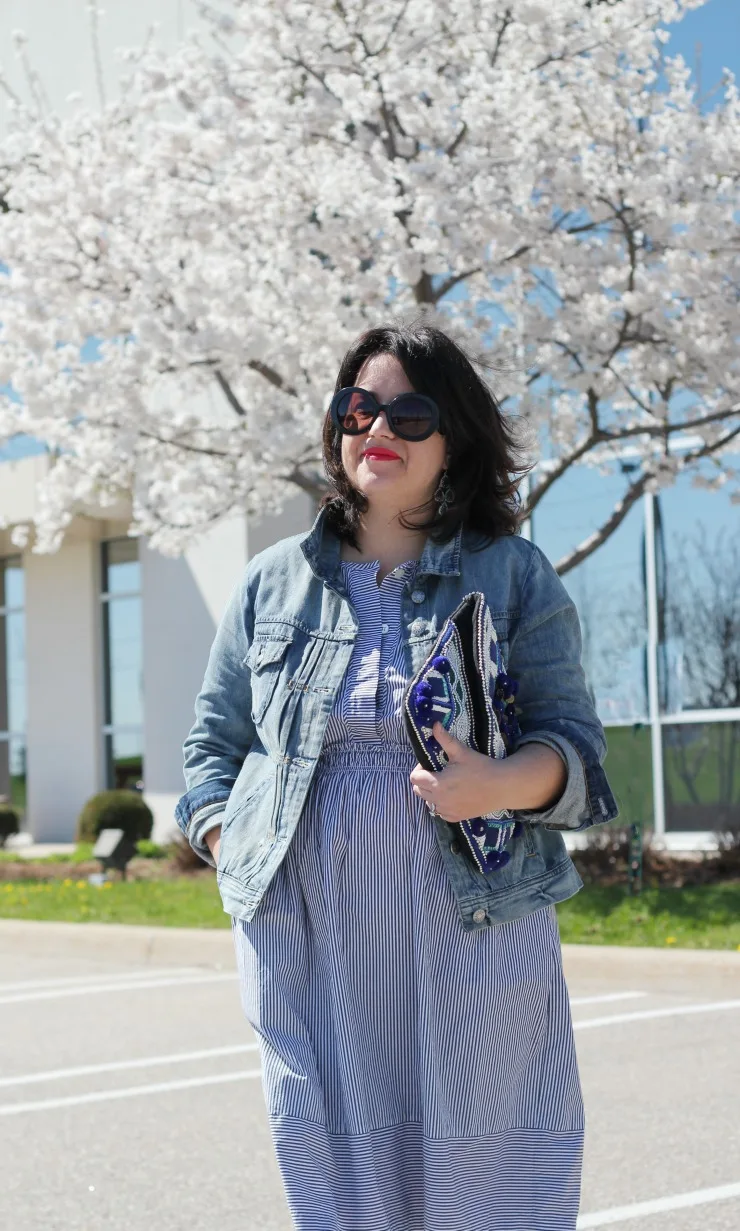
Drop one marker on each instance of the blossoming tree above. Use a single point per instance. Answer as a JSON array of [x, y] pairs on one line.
[[185, 265]]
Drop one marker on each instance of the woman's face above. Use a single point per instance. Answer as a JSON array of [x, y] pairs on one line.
[[408, 479]]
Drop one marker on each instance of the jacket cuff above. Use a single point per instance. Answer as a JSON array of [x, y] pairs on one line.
[[205, 819], [571, 810]]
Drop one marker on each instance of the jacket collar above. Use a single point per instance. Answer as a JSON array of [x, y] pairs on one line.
[[322, 548]]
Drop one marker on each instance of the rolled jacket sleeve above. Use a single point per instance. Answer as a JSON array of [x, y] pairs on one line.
[[223, 732], [554, 706]]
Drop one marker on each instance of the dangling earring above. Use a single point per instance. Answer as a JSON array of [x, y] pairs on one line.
[[444, 496]]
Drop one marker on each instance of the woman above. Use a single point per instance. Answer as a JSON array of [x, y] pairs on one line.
[[417, 1049]]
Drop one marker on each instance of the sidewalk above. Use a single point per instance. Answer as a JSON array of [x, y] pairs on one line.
[[39, 850], [656, 969]]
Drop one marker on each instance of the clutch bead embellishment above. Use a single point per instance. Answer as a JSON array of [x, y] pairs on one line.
[[464, 685]]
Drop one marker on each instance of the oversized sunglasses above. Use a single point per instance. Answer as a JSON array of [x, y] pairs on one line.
[[412, 416]]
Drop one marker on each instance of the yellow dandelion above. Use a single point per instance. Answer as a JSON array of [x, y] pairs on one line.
[[670, 940], [82, 884]]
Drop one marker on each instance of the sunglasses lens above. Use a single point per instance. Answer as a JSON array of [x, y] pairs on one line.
[[355, 411], [412, 416]]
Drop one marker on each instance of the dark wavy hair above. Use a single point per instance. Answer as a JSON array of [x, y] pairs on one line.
[[484, 462]]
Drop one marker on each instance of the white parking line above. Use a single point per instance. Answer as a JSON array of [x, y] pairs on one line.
[[677, 1011], [105, 1096], [94, 989], [31, 985], [606, 999], [682, 1201], [117, 1066]]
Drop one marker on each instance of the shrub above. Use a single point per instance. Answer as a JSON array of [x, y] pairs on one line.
[[146, 849], [9, 822], [185, 859], [124, 810], [728, 852], [605, 857]]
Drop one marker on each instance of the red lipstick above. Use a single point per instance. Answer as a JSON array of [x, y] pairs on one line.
[[374, 451]]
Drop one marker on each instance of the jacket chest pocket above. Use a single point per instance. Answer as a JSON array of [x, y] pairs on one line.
[[265, 659]]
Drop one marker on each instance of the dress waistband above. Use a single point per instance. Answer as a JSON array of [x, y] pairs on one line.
[[366, 754]]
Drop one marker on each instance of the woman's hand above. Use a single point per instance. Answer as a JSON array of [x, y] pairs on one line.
[[213, 841], [466, 787], [471, 784]]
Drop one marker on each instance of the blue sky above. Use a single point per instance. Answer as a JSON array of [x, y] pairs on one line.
[[717, 27]]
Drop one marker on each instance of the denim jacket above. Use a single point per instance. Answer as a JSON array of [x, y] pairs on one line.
[[276, 665]]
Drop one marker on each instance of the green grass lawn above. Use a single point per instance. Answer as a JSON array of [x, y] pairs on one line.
[[706, 917], [190, 902], [700, 917]]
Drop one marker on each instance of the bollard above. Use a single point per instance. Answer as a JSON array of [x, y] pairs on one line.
[[634, 861]]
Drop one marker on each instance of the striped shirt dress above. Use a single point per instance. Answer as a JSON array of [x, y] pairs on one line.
[[417, 1077]]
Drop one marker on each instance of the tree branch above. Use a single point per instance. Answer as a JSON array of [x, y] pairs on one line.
[[604, 436], [505, 23], [636, 489], [453, 280], [229, 394], [255, 365], [595, 540], [557, 472], [313, 485], [452, 148]]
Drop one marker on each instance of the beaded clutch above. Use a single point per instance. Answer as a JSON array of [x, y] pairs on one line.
[[464, 685]]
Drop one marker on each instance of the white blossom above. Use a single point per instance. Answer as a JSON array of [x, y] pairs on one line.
[[186, 265]]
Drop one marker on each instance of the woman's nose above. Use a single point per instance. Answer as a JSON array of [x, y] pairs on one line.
[[380, 425]]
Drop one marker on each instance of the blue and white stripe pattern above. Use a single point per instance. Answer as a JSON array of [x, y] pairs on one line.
[[417, 1077]]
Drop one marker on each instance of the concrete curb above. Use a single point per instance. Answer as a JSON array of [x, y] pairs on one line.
[[162, 946], [118, 942], [648, 969]]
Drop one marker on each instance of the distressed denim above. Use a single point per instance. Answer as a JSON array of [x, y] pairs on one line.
[[275, 667]]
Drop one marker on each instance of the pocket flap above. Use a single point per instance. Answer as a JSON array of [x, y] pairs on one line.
[[261, 653]]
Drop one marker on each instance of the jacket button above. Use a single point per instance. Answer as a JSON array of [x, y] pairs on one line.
[[417, 596], [455, 848], [478, 916], [416, 628]]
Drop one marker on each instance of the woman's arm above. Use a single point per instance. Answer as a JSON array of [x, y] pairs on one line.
[[554, 774], [533, 777], [223, 731], [473, 783], [555, 709], [212, 839]]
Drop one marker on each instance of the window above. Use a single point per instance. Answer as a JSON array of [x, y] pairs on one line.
[[606, 587], [701, 763], [670, 700], [122, 664], [12, 683], [629, 769], [698, 599]]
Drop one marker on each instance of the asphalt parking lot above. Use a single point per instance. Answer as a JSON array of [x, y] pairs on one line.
[[130, 1095]]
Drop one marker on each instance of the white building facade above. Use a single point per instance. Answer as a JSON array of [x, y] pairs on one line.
[[103, 646]]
